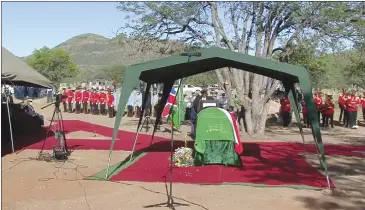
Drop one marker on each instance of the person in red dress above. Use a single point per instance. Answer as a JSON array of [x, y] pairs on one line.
[[85, 100], [70, 99], [342, 105], [285, 110], [102, 102], [78, 98], [95, 103], [64, 99], [110, 103], [328, 111], [352, 104]]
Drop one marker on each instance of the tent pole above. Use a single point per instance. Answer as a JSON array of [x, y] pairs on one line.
[[10, 126], [145, 97], [178, 103], [134, 144], [170, 200]]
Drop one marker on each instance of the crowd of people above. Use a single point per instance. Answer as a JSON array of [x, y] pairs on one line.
[[82, 100], [348, 103]]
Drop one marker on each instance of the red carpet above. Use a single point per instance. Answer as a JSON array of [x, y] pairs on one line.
[[267, 169], [270, 163]]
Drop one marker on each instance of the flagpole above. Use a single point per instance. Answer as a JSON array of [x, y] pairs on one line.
[[178, 105]]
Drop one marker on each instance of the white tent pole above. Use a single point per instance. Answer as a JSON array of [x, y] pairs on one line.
[[10, 126], [134, 144]]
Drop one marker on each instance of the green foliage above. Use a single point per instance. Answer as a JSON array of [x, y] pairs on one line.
[[355, 72], [111, 73], [305, 55], [54, 64], [202, 79]]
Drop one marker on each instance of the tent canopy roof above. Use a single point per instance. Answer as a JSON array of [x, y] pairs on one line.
[[14, 71], [179, 66]]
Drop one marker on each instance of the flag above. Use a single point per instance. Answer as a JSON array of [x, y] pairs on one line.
[[171, 101], [237, 144], [237, 139]]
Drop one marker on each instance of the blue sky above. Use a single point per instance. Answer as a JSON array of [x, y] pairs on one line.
[[31, 25]]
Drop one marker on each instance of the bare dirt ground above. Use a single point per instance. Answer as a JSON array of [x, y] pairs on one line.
[[31, 184]]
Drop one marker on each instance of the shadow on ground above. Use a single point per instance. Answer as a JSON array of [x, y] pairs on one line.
[[349, 176]]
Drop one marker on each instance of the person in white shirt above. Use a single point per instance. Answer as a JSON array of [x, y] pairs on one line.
[[49, 95], [138, 103]]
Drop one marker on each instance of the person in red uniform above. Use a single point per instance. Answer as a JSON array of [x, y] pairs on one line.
[[342, 105], [95, 102], [285, 110], [64, 99], [102, 101], [352, 104], [91, 99], [319, 106], [70, 99], [363, 105], [328, 111], [85, 100], [110, 103], [78, 98], [305, 113]]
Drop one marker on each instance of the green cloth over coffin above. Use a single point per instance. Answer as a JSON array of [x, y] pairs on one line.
[[215, 139]]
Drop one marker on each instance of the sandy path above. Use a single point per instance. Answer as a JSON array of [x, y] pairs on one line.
[[33, 185]]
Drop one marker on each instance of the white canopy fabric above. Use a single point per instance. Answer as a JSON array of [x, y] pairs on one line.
[[14, 71]]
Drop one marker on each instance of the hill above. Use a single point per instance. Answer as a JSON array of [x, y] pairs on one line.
[[93, 52]]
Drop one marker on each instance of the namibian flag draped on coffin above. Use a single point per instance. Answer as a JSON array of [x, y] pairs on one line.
[[217, 138], [178, 109]]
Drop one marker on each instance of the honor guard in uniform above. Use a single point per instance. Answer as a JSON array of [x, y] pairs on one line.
[[85, 100], [64, 99], [319, 105], [70, 99], [91, 99], [110, 103], [328, 111], [342, 104], [78, 99], [102, 101], [352, 104], [285, 110], [95, 103]]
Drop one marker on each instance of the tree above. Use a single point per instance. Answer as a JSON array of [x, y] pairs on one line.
[[305, 54], [355, 72], [111, 73], [259, 28], [55, 64]]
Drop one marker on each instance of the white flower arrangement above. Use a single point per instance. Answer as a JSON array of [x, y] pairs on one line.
[[183, 157]]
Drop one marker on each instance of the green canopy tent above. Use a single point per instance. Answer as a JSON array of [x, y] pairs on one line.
[[167, 70], [14, 71]]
